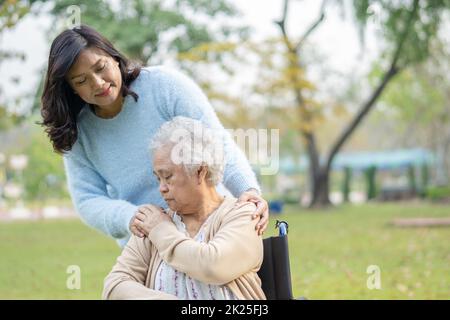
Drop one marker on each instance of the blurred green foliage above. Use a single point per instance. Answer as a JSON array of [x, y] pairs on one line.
[[137, 27], [419, 93], [11, 13], [44, 176], [438, 193], [392, 16]]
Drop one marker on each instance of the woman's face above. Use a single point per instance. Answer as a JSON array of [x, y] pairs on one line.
[[95, 77], [180, 190]]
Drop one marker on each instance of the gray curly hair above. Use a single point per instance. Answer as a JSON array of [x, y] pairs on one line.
[[192, 145]]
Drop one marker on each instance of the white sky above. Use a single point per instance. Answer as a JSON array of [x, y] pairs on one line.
[[336, 38]]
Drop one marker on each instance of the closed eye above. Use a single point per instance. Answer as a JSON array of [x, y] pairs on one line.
[[157, 177], [102, 67], [80, 82]]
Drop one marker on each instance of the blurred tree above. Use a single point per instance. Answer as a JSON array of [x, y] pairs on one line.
[[346, 184], [420, 101], [44, 176], [370, 175], [407, 27], [290, 99], [11, 13], [151, 30]]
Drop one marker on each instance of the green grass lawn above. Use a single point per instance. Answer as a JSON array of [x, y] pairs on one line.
[[330, 251]]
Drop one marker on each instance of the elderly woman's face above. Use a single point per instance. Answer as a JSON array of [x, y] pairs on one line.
[[178, 189], [95, 77]]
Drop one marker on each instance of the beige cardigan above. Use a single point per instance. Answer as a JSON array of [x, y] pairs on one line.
[[231, 255]]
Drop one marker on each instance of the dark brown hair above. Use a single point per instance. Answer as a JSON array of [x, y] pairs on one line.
[[60, 105]]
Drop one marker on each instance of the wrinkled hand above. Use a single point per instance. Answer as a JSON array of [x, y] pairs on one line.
[[262, 209], [146, 218], [134, 228]]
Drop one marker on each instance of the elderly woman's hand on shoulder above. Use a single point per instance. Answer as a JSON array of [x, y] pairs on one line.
[[147, 217]]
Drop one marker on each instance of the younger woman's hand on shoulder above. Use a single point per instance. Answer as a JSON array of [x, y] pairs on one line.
[[262, 208]]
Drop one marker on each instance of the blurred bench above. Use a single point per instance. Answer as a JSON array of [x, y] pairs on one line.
[[396, 193]]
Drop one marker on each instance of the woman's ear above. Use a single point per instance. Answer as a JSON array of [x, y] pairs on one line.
[[201, 173]]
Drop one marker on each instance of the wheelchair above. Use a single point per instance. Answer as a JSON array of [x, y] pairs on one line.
[[275, 272]]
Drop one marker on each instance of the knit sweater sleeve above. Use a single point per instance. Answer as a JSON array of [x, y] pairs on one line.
[[183, 97], [90, 197]]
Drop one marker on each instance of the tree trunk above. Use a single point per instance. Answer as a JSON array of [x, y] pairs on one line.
[[320, 187], [318, 175]]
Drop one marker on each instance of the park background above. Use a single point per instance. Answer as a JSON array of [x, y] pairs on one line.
[[359, 91]]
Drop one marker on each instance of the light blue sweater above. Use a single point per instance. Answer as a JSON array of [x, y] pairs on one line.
[[109, 169]]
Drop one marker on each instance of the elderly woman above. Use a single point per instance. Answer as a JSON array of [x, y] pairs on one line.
[[205, 245]]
